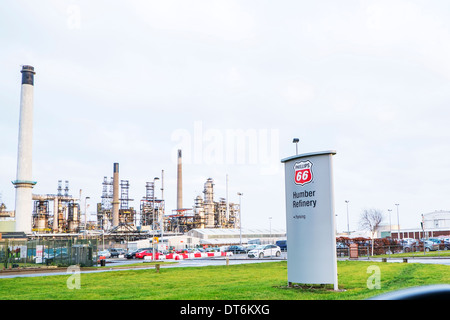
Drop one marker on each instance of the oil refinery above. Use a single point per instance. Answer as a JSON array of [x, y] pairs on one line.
[[62, 214]]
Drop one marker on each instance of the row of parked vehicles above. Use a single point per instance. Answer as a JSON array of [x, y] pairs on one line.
[[143, 252], [112, 253], [274, 250], [385, 245], [252, 251], [255, 250], [430, 244]]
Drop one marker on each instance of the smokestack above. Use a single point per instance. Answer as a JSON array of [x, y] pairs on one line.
[[179, 183], [115, 202], [23, 183]]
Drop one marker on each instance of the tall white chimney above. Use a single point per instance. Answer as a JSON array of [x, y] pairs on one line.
[[179, 183], [23, 182]]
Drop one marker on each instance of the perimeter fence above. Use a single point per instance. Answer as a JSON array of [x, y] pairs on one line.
[[63, 253]]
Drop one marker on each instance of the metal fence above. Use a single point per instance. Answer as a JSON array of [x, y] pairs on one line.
[[366, 251], [25, 253]]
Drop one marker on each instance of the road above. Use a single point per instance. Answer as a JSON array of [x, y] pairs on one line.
[[201, 262], [121, 262]]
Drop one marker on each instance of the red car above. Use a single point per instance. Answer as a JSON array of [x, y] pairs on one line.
[[148, 252], [143, 253]]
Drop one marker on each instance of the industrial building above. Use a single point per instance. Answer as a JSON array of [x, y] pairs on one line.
[[434, 224], [206, 213], [61, 213], [437, 220], [7, 218], [152, 209], [219, 237], [65, 215], [114, 213]]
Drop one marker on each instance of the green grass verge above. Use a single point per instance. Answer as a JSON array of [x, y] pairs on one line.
[[259, 281], [137, 264], [419, 254]]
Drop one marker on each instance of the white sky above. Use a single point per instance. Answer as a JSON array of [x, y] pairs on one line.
[[131, 81]]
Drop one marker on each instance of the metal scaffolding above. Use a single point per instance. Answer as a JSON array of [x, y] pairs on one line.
[[152, 209]]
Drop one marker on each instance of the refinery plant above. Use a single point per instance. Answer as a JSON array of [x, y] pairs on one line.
[[60, 214]]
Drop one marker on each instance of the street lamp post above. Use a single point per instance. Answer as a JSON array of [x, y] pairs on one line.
[[398, 223], [161, 224], [270, 228], [240, 194], [85, 214], [153, 220], [296, 140], [348, 225], [390, 224]]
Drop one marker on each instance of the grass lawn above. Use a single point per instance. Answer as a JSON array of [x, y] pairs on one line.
[[258, 281], [419, 254]]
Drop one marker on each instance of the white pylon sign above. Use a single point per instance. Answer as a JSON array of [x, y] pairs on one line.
[[310, 219]]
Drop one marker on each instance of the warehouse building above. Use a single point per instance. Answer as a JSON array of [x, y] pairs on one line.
[[218, 237], [434, 224]]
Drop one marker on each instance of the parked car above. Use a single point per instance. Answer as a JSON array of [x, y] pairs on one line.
[[115, 252], [268, 250], [446, 245], [409, 244], [147, 252], [428, 245], [340, 245], [282, 244], [131, 254], [442, 242], [142, 253], [249, 247], [342, 249], [408, 241], [236, 249], [435, 240], [104, 253]]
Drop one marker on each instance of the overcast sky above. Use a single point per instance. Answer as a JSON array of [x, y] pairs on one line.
[[133, 81]]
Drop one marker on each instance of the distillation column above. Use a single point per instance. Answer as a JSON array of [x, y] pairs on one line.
[[209, 203], [115, 202]]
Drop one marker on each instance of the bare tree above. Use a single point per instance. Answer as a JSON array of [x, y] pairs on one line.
[[371, 220]]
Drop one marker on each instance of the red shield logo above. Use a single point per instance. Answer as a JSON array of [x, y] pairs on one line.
[[303, 172]]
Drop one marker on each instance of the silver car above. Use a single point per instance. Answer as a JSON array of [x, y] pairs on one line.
[[266, 250]]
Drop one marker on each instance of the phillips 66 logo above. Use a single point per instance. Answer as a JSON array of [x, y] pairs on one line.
[[303, 172]]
